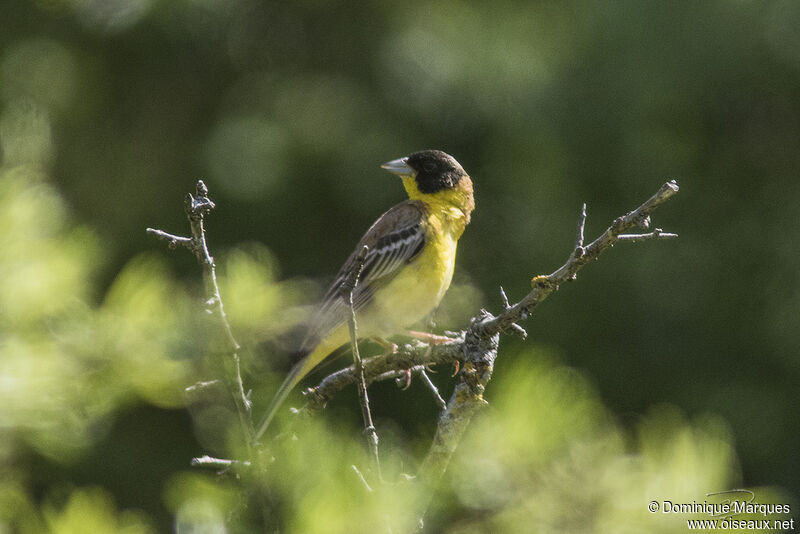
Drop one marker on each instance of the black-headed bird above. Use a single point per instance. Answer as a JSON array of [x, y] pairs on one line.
[[407, 269]]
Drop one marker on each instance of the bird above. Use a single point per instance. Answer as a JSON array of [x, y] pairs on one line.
[[411, 252]]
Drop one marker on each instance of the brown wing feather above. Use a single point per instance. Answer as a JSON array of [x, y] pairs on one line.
[[393, 240]]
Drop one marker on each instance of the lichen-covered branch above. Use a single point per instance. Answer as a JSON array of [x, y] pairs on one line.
[[481, 340], [479, 353]]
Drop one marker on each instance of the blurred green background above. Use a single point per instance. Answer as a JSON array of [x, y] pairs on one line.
[[667, 370]]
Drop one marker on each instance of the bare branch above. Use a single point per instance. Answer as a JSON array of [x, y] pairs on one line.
[[199, 386], [503, 296], [196, 207], [482, 338], [361, 478], [655, 234], [581, 227], [222, 464], [436, 396], [172, 240], [543, 286], [348, 286], [514, 327]]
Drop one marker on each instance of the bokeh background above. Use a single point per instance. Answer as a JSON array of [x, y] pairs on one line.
[[666, 371]]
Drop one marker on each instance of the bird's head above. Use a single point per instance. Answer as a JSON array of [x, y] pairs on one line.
[[434, 176]]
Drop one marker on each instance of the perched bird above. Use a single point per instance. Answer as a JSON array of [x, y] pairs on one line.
[[408, 267]]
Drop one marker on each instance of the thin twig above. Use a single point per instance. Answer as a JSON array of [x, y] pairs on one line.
[[348, 286], [172, 240], [223, 463], [581, 227], [203, 384], [197, 207], [655, 234], [436, 396], [362, 478], [503, 296], [514, 327]]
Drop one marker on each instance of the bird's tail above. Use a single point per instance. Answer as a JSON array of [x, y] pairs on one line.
[[305, 365], [307, 362], [295, 375]]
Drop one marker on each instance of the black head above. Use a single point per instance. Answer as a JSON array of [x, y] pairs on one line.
[[435, 170]]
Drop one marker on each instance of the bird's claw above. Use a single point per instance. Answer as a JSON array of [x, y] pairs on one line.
[[404, 381]]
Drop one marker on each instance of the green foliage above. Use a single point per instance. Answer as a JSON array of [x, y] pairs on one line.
[[569, 466], [92, 510], [258, 305], [199, 503], [69, 367]]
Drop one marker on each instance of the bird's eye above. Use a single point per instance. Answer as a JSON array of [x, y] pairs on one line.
[[428, 167]]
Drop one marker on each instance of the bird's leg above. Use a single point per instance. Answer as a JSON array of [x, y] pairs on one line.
[[433, 339], [404, 382], [430, 339], [391, 348]]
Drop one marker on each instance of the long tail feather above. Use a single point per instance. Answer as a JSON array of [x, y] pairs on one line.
[[304, 366], [295, 375]]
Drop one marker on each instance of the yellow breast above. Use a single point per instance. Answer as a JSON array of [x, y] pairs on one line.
[[419, 286]]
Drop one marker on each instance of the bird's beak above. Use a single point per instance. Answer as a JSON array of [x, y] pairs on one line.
[[399, 167]]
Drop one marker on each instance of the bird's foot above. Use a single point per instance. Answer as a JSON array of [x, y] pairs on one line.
[[404, 380], [433, 339]]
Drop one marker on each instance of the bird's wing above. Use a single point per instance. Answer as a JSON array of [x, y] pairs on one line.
[[395, 239]]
